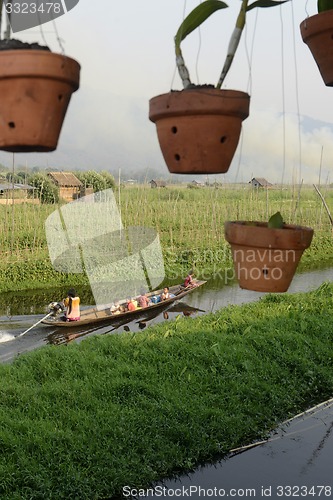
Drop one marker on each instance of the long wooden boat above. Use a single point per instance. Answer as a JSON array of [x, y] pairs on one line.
[[93, 315]]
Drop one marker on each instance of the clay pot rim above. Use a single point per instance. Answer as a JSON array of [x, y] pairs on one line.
[[47, 64], [29, 52], [200, 101], [264, 225], [309, 26], [209, 89], [206, 90], [257, 234]]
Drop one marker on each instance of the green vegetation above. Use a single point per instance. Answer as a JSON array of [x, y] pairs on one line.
[[45, 190], [190, 223], [98, 181], [85, 420]]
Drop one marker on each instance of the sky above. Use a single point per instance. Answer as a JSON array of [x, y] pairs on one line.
[[126, 54]]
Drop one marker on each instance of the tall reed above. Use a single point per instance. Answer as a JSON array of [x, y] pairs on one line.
[[190, 222]]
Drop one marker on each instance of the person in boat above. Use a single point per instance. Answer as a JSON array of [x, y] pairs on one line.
[[165, 295], [132, 305], [72, 305], [116, 308], [189, 282], [143, 300]]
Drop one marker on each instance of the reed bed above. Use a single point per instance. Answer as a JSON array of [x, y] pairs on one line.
[[190, 223]]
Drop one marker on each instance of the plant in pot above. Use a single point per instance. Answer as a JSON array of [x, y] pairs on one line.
[[36, 86], [317, 33], [266, 254], [199, 127]]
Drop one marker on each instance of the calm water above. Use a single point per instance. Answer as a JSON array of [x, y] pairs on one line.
[[295, 462]]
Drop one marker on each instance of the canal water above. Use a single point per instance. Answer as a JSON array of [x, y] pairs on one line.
[[296, 461], [21, 310]]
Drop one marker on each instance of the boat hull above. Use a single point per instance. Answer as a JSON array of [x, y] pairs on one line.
[[94, 315]]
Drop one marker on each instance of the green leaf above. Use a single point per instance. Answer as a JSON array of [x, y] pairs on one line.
[[265, 3], [276, 221], [324, 5], [196, 17]]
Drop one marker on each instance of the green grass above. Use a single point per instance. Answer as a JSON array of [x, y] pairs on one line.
[[82, 421]]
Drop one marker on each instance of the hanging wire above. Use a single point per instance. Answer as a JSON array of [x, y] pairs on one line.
[[249, 57], [198, 54], [41, 30], [1, 10], [40, 27], [42, 34], [7, 32], [175, 69], [240, 154], [13, 207], [297, 93], [249, 54], [283, 105], [173, 76], [58, 37], [298, 109]]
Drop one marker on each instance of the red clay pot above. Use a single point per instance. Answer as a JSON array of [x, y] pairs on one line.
[[317, 33], [265, 259], [35, 89], [198, 129]]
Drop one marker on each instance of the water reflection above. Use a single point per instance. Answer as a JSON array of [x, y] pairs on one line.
[[36, 301], [295, 461], [66, 335]]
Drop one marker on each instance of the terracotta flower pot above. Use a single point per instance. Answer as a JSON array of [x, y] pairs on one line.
[[317, 33], [265, 259], [35, 89], [198, 129]]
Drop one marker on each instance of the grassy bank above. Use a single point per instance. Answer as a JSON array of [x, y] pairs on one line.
[[82, 421], [190, 223]]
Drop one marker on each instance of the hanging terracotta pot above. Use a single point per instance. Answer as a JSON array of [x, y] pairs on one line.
[[317, 33], [265, 259], [198, 129], [35, 89]]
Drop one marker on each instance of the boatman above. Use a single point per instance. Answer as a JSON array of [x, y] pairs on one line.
[[72, 304]]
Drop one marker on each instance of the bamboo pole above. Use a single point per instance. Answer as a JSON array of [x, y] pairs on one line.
[[325, 205], [13, 205], [33, 326]]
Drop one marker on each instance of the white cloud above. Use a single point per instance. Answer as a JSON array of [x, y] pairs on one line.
[[282, 148]]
